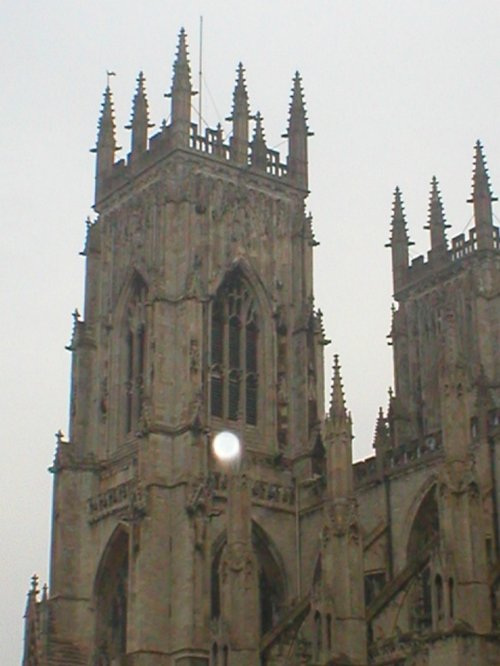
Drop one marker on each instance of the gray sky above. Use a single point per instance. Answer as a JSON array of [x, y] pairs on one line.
[[396, 91]]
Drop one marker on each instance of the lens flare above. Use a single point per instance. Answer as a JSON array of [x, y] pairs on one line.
[[226, 446]]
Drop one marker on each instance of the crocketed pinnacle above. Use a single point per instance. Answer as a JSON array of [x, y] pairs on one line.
[[482, 199], [240, 96], [297, 119], [399, 233], [338, 412], [480, 180], [139, 123], [140, 111], [437, 221], [106, 125], [182, 71]]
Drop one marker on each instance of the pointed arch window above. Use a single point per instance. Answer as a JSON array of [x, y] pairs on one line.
[[234, 353], [135, 354]]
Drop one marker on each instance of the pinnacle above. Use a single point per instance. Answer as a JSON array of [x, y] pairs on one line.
[[297, 114], [398, 225], [240, 94], [337, 400], [436, 220], [258, 135], [140, 103], [182, 71], [398, 214], [106, 124], [480, 179], [380, 435], [106, 108]]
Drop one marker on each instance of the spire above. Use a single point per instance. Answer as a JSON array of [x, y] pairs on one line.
[[258, 145], [437, 224], [399, 242], [337, 412], [297, 134], [106, 143], [240, 117], [482, 198], [139, 123], [181, 93]]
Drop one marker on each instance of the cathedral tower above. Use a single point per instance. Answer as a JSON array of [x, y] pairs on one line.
[[198, 318]]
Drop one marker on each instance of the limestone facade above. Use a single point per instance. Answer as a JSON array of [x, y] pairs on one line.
[[199, 317]]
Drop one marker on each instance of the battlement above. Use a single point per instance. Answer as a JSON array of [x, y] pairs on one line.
[[483, 236], [462, 247], [239, 150]]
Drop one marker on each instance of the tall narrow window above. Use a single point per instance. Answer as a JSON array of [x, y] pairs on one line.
[[135, 355], [234, 353]]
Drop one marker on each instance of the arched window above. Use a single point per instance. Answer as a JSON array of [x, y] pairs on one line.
[[233, 353], [112, 600], [135, 354], [271, 582], [424, 536]]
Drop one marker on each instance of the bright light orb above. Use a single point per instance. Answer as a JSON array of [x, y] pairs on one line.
[[226, 446]]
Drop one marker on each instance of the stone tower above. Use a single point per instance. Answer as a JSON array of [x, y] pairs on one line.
[[198, 317], [432, 558]]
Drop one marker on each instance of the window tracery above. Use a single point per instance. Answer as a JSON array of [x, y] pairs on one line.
[[234, 353]]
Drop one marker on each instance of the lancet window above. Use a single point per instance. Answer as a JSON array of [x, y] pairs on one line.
[[135, 355], [234, 352]]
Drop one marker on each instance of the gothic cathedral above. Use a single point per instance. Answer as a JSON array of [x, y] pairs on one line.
[[199, 318]]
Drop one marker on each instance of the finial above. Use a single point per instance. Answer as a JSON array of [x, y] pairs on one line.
[[34, 584], [337, 401], [45, 592], [59, 436], [437, 223]]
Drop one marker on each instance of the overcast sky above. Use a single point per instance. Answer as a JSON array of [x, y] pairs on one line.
[[396, 91]]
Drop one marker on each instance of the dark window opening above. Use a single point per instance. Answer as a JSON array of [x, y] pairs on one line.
[[234, 353]]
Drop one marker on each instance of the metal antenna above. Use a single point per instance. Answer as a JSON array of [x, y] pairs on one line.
[[200, 75]]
